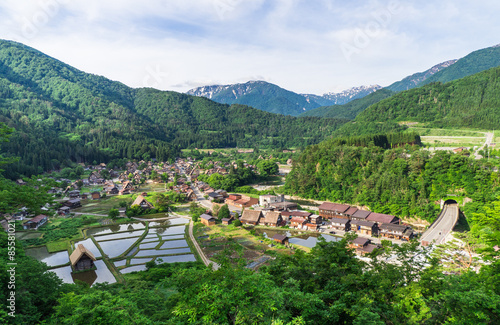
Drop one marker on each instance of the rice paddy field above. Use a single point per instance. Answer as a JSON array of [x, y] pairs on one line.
[[121, 249]]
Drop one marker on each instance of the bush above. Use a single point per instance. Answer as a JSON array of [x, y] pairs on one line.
[[237, 223]]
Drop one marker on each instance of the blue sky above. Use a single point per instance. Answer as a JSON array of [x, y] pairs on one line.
[[304, 46]]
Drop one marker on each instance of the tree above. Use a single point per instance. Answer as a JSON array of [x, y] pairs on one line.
[[113, 213], [224, 212], [215, 209], [163, 202], [267, 168]]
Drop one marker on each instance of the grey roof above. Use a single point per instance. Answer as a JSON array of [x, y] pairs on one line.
[[339, 220], [362, 223], [361, 214], [207, 217]]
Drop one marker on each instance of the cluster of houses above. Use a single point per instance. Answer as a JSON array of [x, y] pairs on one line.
[[346, 218]]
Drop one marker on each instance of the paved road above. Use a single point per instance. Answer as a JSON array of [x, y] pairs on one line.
[[489, 140], [207, 204], [443, 225]]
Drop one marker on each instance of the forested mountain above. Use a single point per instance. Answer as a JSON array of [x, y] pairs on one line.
[[472, 101], [62, 114], [472, 63], [417, 78], [351, 109], [259, 94]]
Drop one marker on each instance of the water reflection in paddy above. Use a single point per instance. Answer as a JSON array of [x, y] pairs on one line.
[[115, 228], [174, 230], [102, 274], [114, 248], [140, 260], [174, 244], [136, 233], [169, 222], [89, 244], [149, 245], [169, 237], [52, 259], [120, 263], [159, 252], [133, 269], [176, 258]]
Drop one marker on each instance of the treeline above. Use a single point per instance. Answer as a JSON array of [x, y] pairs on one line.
[[386, 141], [401, 181], [329, 285], [62, 114], [471, 102]]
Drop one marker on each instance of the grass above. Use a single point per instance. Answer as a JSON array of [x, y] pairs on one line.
[[58, 246], [441, 141], [422, 131]]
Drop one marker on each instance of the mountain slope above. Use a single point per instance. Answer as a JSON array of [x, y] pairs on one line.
[[343, 97], [63, 115], [473, 101], [259, 94], [474, 62], [351, 109], [415, 79]]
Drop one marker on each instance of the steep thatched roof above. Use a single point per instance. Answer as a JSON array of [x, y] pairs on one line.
[[79, 252]]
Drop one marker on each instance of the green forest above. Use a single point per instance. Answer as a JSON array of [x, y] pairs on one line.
[[63, 115], [469, 102]]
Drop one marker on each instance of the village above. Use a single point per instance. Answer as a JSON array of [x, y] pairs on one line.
[[181, 177]]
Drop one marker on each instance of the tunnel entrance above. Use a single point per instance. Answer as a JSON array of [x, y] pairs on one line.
[[450, 201]]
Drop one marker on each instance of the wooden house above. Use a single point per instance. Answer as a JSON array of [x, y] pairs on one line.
[[111, 189], [122, 211], [282, 239], [298, 222], [360, 215], [329, 210], [143, 203], [191, 195], [96, 195], [311, 226], [64, 210], [315, 219], [215, 197], [82, 259], [271, 218], [383, 218], [73, 203], [283, 206], [207, 220], [290, 214], [84, 196], [341, 224], [35, 222], [74, 194], [232, 198], [227, 221], [245, 202], [350, 212], [395, 231], [251, 217], [364, 227], [359, 242]]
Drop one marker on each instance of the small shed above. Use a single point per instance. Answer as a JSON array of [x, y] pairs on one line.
[[227, 221], [96, 195], [207, 220], [282, 239], [82, 259]]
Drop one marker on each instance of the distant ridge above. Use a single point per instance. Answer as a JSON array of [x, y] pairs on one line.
[[417, 78]]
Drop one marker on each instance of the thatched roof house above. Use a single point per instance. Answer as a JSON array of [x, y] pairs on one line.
[[82, 259]]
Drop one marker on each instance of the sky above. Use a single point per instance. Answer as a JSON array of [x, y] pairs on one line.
[[314, 46]]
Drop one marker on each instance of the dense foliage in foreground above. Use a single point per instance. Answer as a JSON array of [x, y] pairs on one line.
[[327, 286]]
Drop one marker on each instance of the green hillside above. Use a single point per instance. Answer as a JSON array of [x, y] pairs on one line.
[[472, 101], [351, 109], [62, 115], [474, 62]]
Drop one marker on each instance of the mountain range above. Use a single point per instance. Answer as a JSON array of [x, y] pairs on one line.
[[63, 115], [274, 99], [348, 103]]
